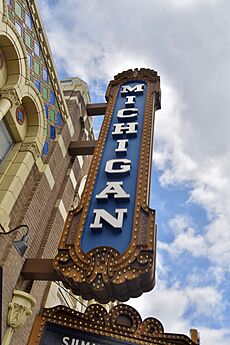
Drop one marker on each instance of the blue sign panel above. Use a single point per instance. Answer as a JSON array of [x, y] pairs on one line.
[[109, 220]]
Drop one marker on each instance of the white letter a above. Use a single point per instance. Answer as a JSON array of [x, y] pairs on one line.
[[113, 221], [113, 188]]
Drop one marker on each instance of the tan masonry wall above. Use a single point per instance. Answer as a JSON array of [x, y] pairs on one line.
[[35, 191], [45, 198], [17, 91]]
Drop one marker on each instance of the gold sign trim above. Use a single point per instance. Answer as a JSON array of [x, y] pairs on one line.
[[103, 273]]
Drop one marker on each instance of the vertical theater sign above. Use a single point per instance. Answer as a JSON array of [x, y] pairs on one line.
[[108, 246]]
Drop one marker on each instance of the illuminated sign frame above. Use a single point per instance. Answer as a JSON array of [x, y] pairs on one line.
[[108, 246], [122, 325]]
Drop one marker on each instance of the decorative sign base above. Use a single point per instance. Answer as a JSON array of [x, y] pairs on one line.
[[107, 250], [121, 326]]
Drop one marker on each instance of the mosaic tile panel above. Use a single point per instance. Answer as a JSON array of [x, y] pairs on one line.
[[19, 15]]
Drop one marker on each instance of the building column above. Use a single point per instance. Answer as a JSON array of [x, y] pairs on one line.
[[7, 100]]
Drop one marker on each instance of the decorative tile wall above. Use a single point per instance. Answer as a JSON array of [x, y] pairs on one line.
[[19, 15]]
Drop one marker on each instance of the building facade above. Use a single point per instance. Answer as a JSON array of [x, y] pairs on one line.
[[39, 180]]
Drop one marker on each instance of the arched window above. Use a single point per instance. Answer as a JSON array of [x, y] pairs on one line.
[[6, 141]]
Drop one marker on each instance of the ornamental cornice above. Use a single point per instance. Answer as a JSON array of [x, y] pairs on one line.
[[11, 95], [31, 147]]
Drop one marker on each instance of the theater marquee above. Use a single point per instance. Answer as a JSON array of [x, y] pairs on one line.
[[122, 325], [107, 250]]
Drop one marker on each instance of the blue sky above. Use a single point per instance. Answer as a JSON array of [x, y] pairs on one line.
[[188, 43]]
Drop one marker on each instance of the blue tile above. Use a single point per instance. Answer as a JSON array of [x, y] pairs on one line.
[[29, 21], [52, 132], [29, 60], [45, 148], [37, 84], [59, 119], [19, 28], [45, 75], [47, 111], [37, 49], [52, 97]]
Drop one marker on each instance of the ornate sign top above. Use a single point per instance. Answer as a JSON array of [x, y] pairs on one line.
[[122, 325], [107, 250]]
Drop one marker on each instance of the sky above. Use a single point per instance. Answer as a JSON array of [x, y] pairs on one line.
[[188, 43]]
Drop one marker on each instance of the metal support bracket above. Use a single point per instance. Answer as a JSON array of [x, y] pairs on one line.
[[81, 148], [95, 109], [39, 269]]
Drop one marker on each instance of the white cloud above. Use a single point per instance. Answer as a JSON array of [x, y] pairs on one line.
[[213, 243], [213, 276], [185, 3], [188, 43], [206, 300], [167, 305], [214, 336], [187, 241], [170, 305], [185, 238], [206, 176]]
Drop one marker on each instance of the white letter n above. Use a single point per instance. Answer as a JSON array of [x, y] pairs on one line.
[[106, 216]]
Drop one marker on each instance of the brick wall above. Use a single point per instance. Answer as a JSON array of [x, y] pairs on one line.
[[43, 203]]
